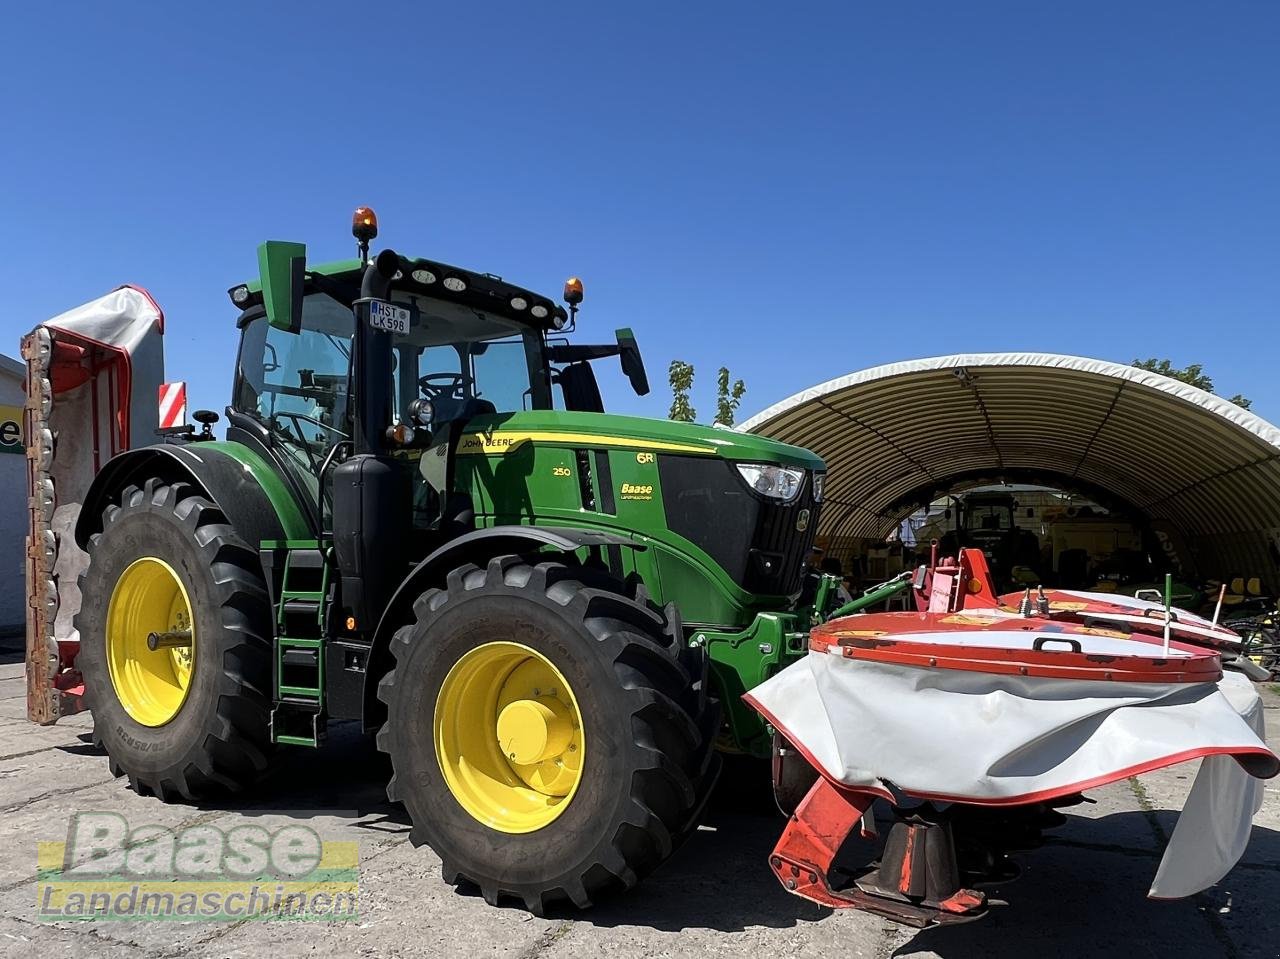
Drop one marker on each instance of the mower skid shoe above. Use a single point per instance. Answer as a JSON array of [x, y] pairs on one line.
[[816, 831]]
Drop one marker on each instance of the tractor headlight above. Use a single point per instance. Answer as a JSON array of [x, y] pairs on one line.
[[775, 482], [819, 481]]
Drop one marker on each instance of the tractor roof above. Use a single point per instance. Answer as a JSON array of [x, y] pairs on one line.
[[480, 291]]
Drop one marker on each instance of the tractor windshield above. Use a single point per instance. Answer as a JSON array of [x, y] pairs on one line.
[[989, 517], [452, 354], [298, 383]]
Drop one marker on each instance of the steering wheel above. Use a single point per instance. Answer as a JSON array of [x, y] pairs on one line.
[[442, 386]]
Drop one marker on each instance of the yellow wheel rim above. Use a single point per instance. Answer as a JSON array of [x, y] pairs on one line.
[[508, 737], [151, 684]]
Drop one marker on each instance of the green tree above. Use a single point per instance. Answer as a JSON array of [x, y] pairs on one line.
[[1192, 374], [728, 398], [680, 376]]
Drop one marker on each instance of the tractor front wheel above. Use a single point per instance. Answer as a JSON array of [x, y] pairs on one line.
[[550, 732], [175, 644]]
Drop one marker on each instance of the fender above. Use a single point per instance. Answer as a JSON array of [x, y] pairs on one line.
[[233, 476], [478, 547]]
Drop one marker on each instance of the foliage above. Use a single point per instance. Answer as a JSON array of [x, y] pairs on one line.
[[680, 376], [728, 398], [1193, 374]]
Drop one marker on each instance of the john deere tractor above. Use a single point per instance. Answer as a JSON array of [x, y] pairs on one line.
[[422, 520]]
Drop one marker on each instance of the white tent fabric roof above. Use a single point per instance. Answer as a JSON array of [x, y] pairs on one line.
[[894, 434]]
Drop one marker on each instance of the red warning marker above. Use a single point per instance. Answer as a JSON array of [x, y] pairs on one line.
[[173, 405]]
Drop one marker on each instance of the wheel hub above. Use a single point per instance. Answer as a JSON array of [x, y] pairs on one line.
[[508, 737], [534, 730], [151, 684]]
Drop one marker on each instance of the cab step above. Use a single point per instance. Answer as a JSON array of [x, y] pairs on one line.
[[298, 574], [297, 724]]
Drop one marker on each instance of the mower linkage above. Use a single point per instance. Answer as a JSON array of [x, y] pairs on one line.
[[917, 879]]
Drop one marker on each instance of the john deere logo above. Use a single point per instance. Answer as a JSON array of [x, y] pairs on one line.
[[802, 521], [636, 491]]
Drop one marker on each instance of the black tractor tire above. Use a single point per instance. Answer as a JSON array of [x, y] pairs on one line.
[[648, 723], [219, 741]]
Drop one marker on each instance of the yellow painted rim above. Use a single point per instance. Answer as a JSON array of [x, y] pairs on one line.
[[152, 685], [508, 737]]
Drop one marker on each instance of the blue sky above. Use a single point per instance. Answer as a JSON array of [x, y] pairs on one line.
[[795, 190]]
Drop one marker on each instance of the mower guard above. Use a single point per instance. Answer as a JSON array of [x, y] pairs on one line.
[[960, 708], [93, 376]]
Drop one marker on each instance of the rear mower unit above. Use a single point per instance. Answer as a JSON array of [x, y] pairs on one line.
[[422, 520]]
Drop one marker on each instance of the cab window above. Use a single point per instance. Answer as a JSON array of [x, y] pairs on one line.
[[297, 384]]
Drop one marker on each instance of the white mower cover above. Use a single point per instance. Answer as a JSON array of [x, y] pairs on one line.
[[978, 737]]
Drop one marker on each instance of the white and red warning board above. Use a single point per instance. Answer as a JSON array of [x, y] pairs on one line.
[[173, 405]]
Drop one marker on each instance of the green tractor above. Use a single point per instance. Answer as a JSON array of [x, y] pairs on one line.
[[422, 520]]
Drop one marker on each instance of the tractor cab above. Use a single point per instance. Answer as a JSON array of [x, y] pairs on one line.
[[988, 520], [326, 370]]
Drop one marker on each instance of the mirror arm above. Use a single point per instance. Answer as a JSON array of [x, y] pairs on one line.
[[577, 352]]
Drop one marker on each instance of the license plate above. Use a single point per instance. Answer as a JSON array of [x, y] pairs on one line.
[[388, 318]]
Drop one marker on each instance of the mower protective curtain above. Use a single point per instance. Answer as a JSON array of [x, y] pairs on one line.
[[951, 735]]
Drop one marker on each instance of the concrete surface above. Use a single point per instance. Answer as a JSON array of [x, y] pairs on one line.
[[1082, 895]]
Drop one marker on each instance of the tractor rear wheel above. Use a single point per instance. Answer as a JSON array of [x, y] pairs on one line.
[[549, 730], [184, 715]]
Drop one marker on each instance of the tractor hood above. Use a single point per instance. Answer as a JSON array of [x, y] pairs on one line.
[[661, 436]]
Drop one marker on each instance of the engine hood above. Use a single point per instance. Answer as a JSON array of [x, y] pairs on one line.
[[663, 436]]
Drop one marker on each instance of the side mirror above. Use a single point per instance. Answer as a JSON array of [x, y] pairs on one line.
[[282, 267], [632, 361]]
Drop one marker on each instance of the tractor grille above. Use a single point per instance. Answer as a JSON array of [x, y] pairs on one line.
[[755, 539]]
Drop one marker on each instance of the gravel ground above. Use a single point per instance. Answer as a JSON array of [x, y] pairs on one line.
[[1083, 894]]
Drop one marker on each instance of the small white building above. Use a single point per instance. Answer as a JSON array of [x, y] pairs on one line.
[[13, 496]]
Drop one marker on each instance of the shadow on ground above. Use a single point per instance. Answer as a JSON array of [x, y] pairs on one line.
[[1082, 894], [720, 878]]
